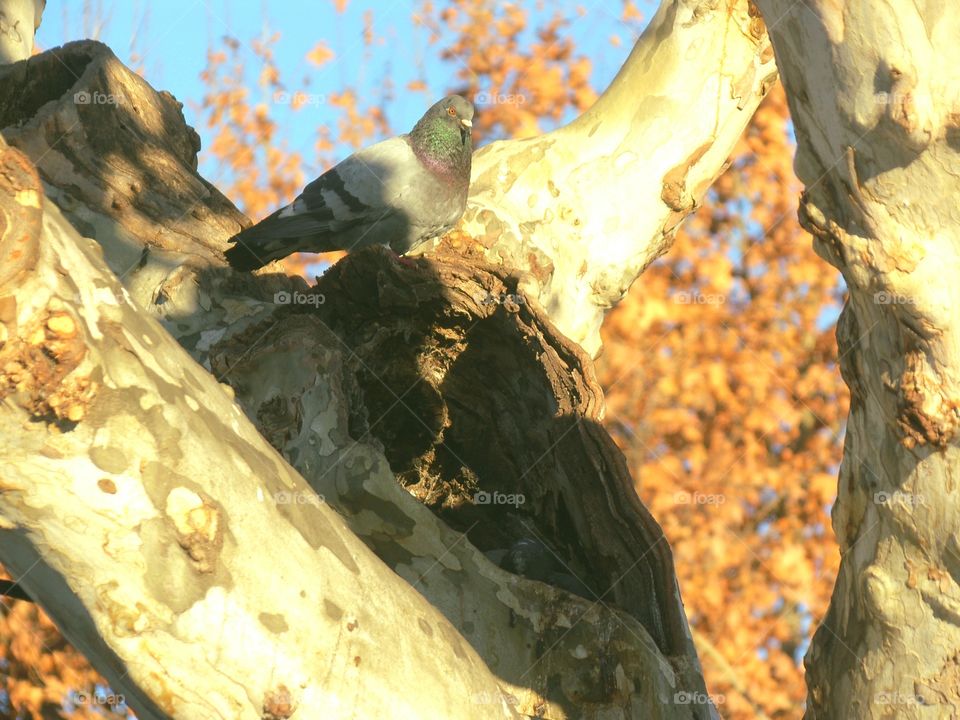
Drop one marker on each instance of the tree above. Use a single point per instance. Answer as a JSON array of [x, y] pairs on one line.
[[551, 273], [878, 136]]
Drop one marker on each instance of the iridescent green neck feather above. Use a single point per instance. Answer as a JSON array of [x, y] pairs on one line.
[[444, 147]]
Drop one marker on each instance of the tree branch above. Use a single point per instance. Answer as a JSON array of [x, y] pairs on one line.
[[333, 396], [129, 509], [875, 101], [584, 209], [19, 20]]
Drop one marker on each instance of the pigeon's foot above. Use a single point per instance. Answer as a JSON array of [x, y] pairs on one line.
[[405, 261]]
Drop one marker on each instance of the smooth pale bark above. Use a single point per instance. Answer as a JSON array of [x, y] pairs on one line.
[[874, 93], [584, 209], [19, 19]]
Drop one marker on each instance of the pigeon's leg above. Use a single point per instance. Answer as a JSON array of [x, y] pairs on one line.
[[402, 259]]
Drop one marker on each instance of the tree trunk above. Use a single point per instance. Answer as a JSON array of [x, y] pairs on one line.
[[19, 20], [446, 377], [875, 100]]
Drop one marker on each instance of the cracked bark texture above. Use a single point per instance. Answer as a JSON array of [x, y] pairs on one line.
[[875, 100], [399, 398], [464, 395]]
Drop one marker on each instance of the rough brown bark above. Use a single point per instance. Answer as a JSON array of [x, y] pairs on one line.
[[468, 395]]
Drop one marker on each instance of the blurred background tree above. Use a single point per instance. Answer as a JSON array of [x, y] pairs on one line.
[[720, 366]]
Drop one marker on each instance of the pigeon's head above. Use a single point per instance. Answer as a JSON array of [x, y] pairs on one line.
[[453, 112], [458, 109]]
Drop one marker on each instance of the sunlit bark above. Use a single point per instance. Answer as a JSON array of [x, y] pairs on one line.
[[584, 209], [19, 19], [875, 100]]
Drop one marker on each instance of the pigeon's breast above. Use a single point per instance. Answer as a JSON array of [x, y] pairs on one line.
[[423, 202]]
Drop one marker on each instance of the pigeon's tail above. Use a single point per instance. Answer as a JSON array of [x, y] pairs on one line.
[[252, 252], [258, 245], [273, 238]]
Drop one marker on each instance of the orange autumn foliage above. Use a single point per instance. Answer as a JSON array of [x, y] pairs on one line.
[[41, 671], [516, 85]]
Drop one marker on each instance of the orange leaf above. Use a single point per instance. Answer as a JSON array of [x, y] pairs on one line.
[[321, 54]]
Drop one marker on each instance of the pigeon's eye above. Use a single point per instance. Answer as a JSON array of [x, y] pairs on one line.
[[451, 112]]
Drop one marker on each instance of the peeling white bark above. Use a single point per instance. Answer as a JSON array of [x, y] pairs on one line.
[[874, 93], [584, 209]]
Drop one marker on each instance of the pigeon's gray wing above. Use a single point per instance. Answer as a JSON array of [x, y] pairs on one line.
[[359, 189], [355, 201]]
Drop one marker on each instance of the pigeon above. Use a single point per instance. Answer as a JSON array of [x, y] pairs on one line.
[[535, 561], [400, 192]]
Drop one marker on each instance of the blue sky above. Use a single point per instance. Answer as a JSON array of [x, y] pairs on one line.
[[172, 37]]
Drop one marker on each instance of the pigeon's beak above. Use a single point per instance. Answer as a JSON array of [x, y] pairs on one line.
[[466, 123]]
